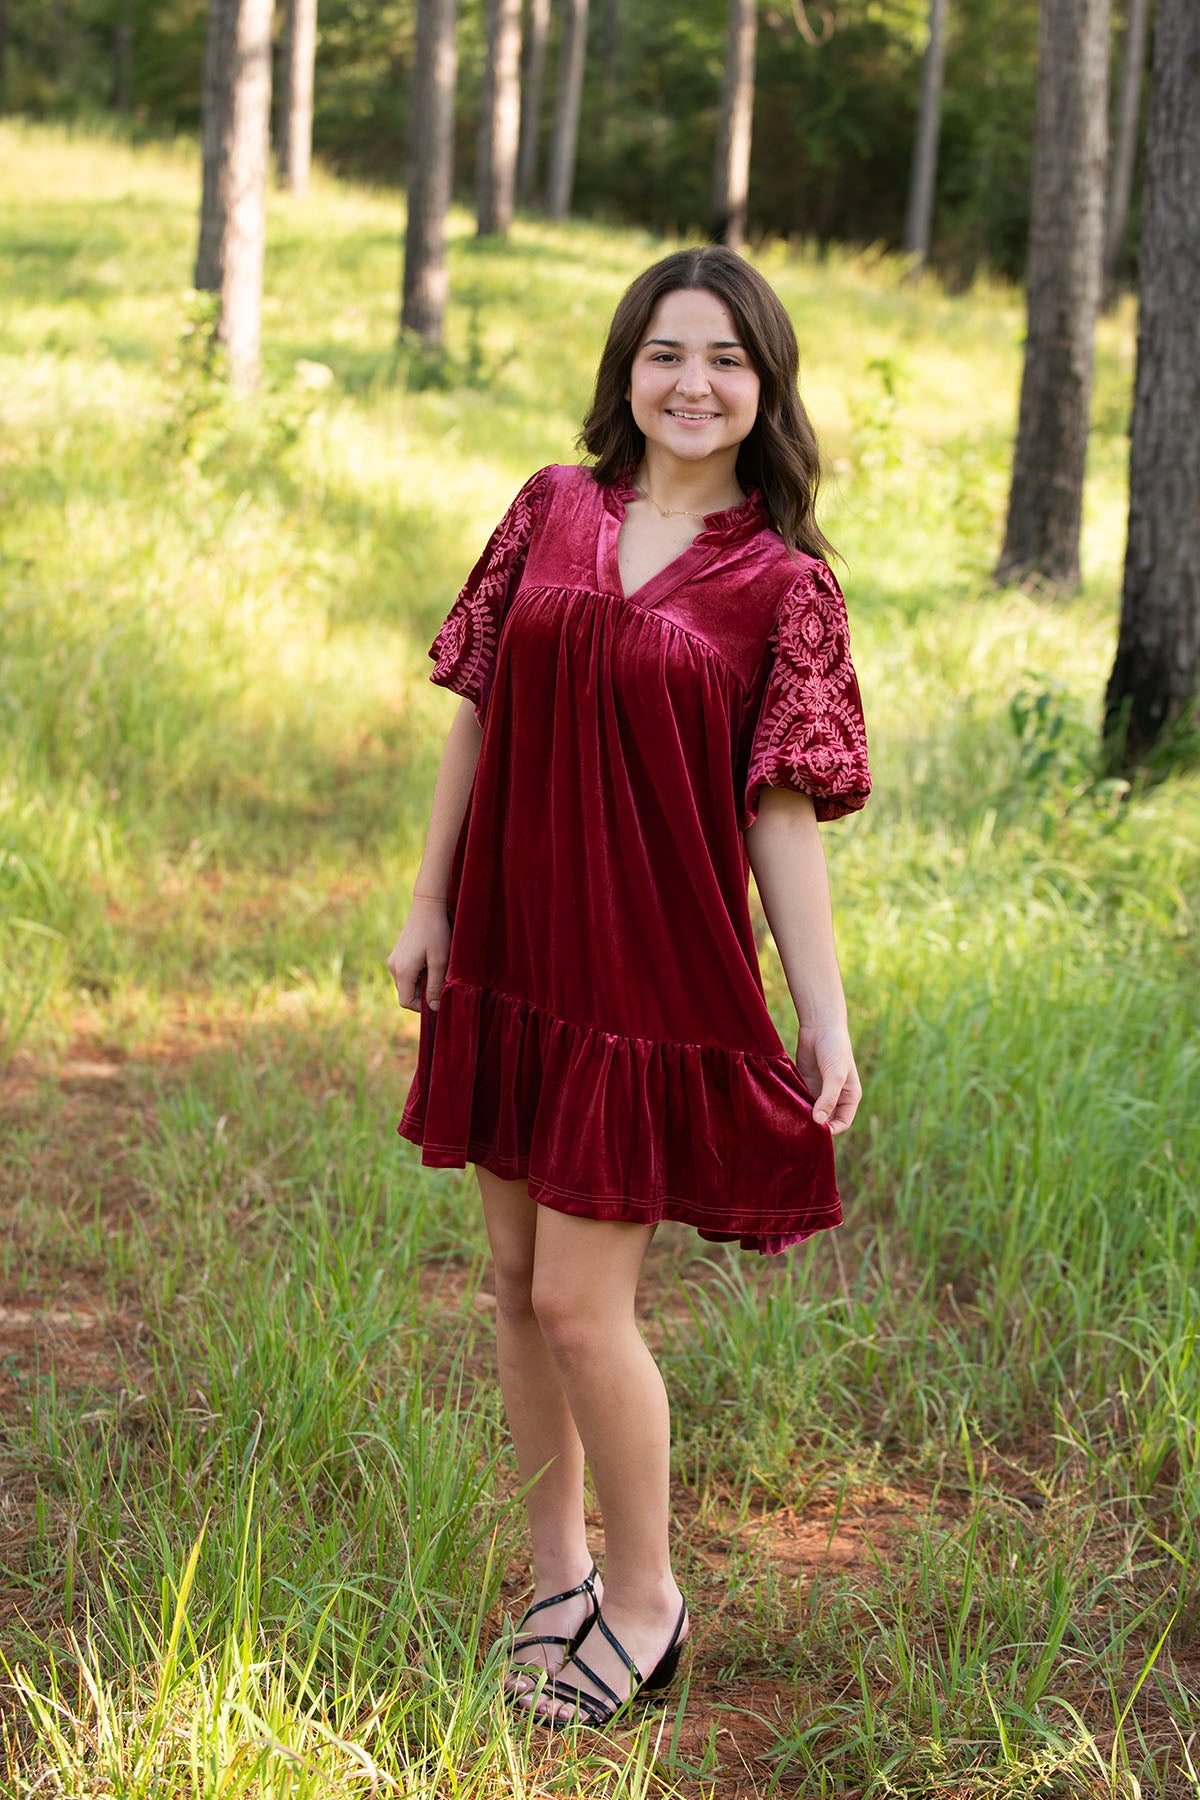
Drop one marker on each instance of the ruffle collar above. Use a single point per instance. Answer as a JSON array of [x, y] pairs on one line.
[[748, 514]]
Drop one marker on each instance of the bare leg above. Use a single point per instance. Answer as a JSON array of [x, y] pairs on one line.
[[584, 1287], [539, 1418]]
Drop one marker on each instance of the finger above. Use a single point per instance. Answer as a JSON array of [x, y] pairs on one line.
[[434, 981], [408, 986], [826, 1102], [847, 1106]]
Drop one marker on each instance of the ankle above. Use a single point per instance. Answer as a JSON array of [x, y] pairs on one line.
[[656, 1597], [555, 1574]]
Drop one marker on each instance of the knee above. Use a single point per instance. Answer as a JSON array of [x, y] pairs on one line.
[[562, 1313], [514, 1288]]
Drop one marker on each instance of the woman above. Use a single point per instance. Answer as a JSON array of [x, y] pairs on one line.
[[657, 697]]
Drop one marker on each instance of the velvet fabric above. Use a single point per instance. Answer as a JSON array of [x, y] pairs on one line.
[[602, 1031]]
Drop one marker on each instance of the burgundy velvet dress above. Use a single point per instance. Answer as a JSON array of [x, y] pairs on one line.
[[602, 1030]]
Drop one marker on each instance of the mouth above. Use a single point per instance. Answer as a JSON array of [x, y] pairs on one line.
[[697, 417]]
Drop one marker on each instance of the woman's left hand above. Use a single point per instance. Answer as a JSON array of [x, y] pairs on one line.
[[826, 1061]]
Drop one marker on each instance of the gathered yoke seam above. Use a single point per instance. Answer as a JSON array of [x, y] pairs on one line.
[[631, 605]]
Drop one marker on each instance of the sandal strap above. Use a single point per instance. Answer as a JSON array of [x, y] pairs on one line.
[[597, 1711], [584, 1587], [622, 1652], [590, 1705], [530, 1640], [529, 1643]]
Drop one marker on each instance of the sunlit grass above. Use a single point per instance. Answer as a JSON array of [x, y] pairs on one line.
[[270, 1559]]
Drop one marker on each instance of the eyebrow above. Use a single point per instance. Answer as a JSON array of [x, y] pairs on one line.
[[717, 343]]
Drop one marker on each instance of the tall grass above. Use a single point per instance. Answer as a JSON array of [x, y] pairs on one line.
[[269, 1560]]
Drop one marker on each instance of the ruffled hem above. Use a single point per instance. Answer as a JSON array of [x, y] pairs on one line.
[[605, 1126]]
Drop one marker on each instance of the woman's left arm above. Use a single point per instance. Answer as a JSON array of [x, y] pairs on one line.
[[784, 848]]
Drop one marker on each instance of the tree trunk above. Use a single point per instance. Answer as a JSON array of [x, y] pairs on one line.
[[923, 178], [294, 140], [215, 105], [532, 78], [499, 120], [563, 143], [1156, 676], [1066, 232], [1124, 150], [430, 171], [731, 175], [236, 129]]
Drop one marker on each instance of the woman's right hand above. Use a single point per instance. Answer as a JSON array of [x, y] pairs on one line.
[[421, 950]]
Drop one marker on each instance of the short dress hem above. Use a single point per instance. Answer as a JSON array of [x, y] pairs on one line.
[[591, 1206], [608, 1126]]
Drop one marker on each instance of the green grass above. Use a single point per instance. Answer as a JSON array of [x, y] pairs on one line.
[[938, 1475]]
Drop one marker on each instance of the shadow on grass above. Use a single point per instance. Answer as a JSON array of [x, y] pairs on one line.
[[51, 263]]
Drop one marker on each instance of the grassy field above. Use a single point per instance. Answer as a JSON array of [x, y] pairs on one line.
[[937, 1475]]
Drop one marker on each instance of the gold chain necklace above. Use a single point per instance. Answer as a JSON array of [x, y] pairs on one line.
[[671, 512]]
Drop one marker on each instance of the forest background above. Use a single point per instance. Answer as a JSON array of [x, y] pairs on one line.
[[834, 168], [937, 1476]]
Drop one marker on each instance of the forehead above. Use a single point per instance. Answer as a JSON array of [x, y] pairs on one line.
[[692, 316]]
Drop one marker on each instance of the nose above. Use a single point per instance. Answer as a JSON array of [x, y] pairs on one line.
[[693, 377]]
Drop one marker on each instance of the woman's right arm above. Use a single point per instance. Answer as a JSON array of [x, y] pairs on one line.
[[424, 944]]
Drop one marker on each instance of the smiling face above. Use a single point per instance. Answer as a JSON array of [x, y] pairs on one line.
[[692, 388]]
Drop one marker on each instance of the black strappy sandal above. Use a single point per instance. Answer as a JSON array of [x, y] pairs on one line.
[[643, 1688], [531, 1639]]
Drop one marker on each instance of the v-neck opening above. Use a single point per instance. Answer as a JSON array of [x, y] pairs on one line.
[[687, 563], [664, 581]]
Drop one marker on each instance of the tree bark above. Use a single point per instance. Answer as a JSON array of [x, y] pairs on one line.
[[1066, 233], [923, 178], [236, 130], [561, 177], [294, 130], [1156, 676], [500, 118], [215, 107], [1124, 149], [430, 171], [731, 172], [532, 79]]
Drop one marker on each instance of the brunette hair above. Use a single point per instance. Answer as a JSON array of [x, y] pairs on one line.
[[780, 456]]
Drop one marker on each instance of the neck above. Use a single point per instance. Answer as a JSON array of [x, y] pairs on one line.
[[704, 487]]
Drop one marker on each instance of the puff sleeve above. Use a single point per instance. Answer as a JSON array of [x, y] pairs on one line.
[[810, 733], [464, 650]]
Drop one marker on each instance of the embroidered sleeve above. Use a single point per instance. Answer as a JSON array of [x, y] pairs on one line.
[[464, 650], [810, 733]]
